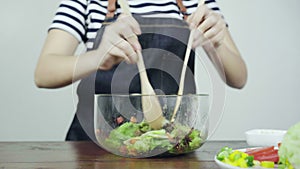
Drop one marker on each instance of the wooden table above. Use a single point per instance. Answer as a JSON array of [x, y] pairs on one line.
[[87, 155]]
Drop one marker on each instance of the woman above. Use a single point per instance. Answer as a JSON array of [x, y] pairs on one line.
[[78, 21]]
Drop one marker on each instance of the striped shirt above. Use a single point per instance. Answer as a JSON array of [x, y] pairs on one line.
[[83, 18]]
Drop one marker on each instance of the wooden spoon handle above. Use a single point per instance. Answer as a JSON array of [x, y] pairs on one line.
[[182, 77], [183, 71], [125, 7], [150, 103]]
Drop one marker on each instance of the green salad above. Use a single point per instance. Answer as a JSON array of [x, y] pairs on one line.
[[138, 139]]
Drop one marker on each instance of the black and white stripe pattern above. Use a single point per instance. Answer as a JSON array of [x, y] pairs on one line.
[[83, 18]]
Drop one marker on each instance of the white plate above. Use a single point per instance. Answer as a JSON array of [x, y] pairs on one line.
[[227, 166]]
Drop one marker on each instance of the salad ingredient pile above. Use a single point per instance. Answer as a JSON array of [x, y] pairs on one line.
[[136, 139], [266, 157], [235, 158], [286, 156]]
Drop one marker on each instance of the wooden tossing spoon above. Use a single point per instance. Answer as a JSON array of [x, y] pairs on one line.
[[183, 71], [150, 103]]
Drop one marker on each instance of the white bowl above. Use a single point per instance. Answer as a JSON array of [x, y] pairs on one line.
[[264, 137]]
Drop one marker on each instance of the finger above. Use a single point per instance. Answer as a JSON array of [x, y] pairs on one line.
[[126, 41], [211, 32], [127, 48], [120, 54], [216, 30], [216, 39], [197, 33], [198, 38], [211, 43], [133, 24], [133, 40], [127, 33], [209, 22], [197, 17], [198, 42]]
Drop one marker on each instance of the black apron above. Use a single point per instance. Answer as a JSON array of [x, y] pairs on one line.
[[164, 42]]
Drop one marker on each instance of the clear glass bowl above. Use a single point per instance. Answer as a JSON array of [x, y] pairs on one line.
[[120, 127]]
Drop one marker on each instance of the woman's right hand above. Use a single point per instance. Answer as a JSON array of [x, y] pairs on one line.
[[58, 66], [119, 42]]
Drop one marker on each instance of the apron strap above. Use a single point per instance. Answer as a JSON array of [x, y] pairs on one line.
[[111, 8], [182, 9]]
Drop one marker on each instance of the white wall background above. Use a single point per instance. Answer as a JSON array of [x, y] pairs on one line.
[[266, 32]]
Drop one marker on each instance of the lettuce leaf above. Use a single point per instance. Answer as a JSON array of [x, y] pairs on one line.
[[289, 150]]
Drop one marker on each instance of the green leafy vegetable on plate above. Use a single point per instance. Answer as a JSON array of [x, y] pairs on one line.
[[289, 150]]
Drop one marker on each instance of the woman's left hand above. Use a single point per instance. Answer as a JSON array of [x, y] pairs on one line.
[[210, 27]]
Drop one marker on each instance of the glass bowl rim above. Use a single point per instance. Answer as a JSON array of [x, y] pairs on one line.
[[158, 95]]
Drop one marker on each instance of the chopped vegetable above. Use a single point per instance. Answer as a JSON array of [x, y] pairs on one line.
[[267, 164], [259, 150], [289, 150], [250, 160], [264, 154], [235, 158], [224, 153], [265, 157], [273, 156]]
